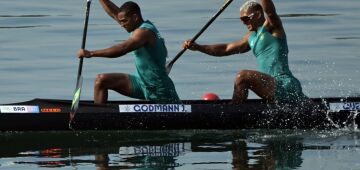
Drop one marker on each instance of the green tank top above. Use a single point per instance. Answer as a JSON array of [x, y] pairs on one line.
[[272, 56], [150, 60], [271, 52]]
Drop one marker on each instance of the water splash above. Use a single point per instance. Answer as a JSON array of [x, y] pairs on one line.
[[330, 120], [349, 124], [355, 114]]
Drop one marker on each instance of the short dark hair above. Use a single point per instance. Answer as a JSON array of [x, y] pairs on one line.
[[130, 7]]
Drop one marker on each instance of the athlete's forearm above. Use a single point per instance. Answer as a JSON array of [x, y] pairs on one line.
[[269, 7], [272, 16], [111, 52], [111, 9], [217, 50]]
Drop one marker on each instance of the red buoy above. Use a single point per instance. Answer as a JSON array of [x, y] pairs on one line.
[[210, 96]]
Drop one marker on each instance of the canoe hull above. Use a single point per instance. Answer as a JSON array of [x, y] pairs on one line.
[[53, 115]]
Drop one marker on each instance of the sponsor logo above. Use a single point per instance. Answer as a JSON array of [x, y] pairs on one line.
[[51, 110], [336, 107], [155, 108], [19, 109]]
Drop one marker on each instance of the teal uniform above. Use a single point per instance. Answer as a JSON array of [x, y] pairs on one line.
[[272, 56], [151, 82]]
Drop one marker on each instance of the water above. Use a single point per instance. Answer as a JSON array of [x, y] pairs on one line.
[[192, 149], [38, 44]]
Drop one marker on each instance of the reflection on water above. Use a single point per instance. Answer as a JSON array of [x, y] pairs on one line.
[[170, 149], [253, 150]]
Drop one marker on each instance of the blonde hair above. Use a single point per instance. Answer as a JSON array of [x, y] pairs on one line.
[[250, 4]]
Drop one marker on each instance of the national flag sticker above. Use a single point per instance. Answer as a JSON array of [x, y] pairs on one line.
[[19, 109]]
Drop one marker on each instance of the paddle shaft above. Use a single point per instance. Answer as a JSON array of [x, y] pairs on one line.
[[83, 43], [76, 99], [171, 63]]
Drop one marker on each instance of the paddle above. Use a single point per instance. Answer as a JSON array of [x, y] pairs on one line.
[[76, 99], [171, 63]]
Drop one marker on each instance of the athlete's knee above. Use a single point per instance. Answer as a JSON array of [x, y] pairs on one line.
[[243, 77], [99, 80]]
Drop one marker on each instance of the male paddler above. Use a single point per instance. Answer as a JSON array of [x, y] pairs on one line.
[[150, 82], [266, 38]]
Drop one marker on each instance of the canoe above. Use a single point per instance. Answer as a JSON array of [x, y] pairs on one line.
[[53, 115]]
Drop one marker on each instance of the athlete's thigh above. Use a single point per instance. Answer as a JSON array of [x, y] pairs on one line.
[[119, 82], [262, 83]]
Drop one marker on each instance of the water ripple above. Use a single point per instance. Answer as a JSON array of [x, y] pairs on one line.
[[347, 38], [22, 16], [24, 26]]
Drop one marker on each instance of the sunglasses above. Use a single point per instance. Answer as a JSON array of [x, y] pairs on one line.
[[247, 18]]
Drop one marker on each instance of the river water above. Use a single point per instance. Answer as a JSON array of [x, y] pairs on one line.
[[38, 44]]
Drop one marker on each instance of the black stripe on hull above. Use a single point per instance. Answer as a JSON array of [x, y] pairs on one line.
[[255, 114]]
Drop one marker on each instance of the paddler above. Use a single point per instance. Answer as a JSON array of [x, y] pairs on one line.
[[266, 38], [150, 82]]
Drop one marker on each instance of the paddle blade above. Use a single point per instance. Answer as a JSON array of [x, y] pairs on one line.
[[76, 99], [168, 67]]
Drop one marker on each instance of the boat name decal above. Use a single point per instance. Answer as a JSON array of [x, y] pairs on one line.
[[344, 106], [155, 108], [19, 109]]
